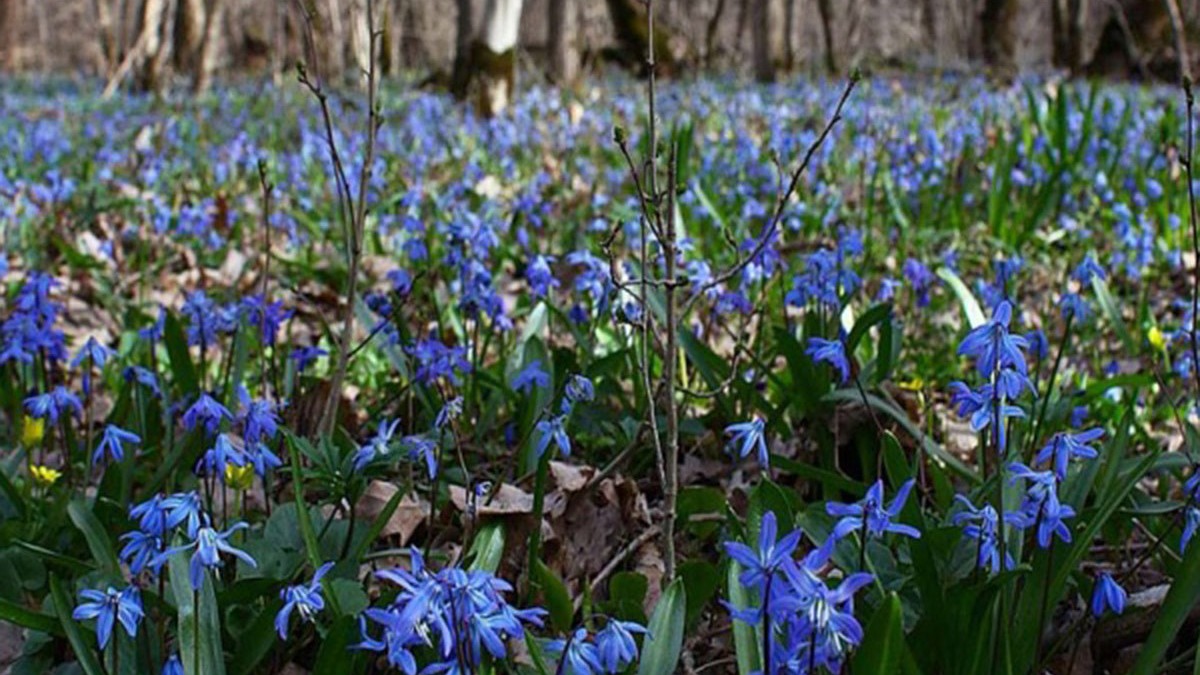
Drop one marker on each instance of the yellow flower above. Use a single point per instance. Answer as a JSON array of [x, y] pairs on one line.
[[239, 477], [1157, 339], [33, 429], [915, 384], [44, 476]]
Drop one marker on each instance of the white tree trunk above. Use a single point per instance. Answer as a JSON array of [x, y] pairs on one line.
[[210, 47], [497, 65], [360, 41], [563, 26]]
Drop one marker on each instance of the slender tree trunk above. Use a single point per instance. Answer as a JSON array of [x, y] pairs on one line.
[[105, 33], [826, 12], [764, 57], [210, 47], [789, 29], [1179, 32], [710, 33], [563, 29], [464, 34], [1077, 11], [360, 42], [10, 17], [997, 22], [151, 55], [495, 54]]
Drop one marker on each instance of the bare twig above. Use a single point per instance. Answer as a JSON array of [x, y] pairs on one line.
[[617, 560]]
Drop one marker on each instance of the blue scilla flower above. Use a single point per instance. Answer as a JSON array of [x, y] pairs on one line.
[[377, 446], [144, 377], [1087, 270], [747, 436], [207, 413], [109, 608], [142, 550], [982, 525], [437, 361], [540, 277], [54, 404], [91, 355], [220, 457], [579, 389], [829, 625], [762, 563], [553, 429], [1041, 507], [921, 278], [984, 410], [154, 332], [422, 449], [258, 418], [615, 645], [173, 666], [184, 508], [304, 599], [832, 352], [871, 514], [112, 444], [450, 412], [260, 456], [992, 345], [530, 377], [306, 356], [1065, 446], [204, 319], [267, 317], [1191, 521], [1074, 307], [579, 656], [1107, 594], [209, 545]]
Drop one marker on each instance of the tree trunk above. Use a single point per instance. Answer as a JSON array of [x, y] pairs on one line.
[[495, 55], [826, 13], [360, 41], [631, 28], [10, 17], [151, 57], [106, 35], [789, 28], [764, 57], [997, 22], [1077, 11], [464, 33], [191, 21], [210, 47], [563, 32], [710, 33]]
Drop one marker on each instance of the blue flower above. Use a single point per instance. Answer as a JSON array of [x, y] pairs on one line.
[[52, 405], [871, 510], [992, 345], [95, 355], [206, 412], [142, 550], [981, 524], [553, 429], [154, 332], [306, 356], [1088, 269], [144, 377], [748, 436], [258, 418], [173, 666], [219, 457], [184, 509], [378, 445], [422, 448], [112, 443], [209, 544], [615, 644], [1191, 521], [541, 278], [761, 564], [305, 599], [1107, 594], [109, 608], [449, 412], [1065, 446], [579, 389], [531, 376], [832, 352], [1041, 506], [579, 657]]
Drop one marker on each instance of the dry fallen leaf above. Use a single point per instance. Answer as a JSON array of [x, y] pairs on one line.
[[408, 516], [569, 477], [508, 500]]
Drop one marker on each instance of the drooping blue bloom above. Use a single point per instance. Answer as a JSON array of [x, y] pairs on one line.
[[553, 429], [992, 345], [306, 356], [530, 377], [921, 278], [1041, 506], [1074, 307], [377, 446], [1191, 521], [747, 436], [984, 410], [209, 545], [94, 355], [112, 443], [579, 656], [267, 317], [260, 456], [258, 418], [305, 599], [982, 525], [144, 377], [832, 352], [615, 645], [450, 412], [829, 616], [207, 413], [50, 406], [436, 361], [109, 608], [760, 564], [1088, 269], [184, 508], [1065, 446], [1107, 594], [422, 448], [173, 666], [142, 550], [219, 457], [154, 332], [872, 512], [579, 389], [540, 277]]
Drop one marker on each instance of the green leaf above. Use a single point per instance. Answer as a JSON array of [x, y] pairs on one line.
[[79, 644], [1113, 311], [336, 657], [745, 637], [554, 592], [488, 548], [256, 642], [97, 539], [11, 612], [181, 362], [966, 298], [660, 652], [626, 596], [1181, 598], [205, 637], [701, 580], [536, 654], [882, 648], [877, 315]]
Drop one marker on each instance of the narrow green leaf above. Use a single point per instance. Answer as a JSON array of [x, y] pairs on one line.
[[205, 638], [257, 640], [181, 362], [1181, 598], [966, 298], [488, 548], [336, 657], [660, 652], [97, 539], [1113, 311], [79, 643], [11, 612], [882, 648], [745, 637], [872, 317], [554, 592]]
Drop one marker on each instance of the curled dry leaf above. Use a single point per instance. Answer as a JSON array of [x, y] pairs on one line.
[[408, 516], [508, 500]]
